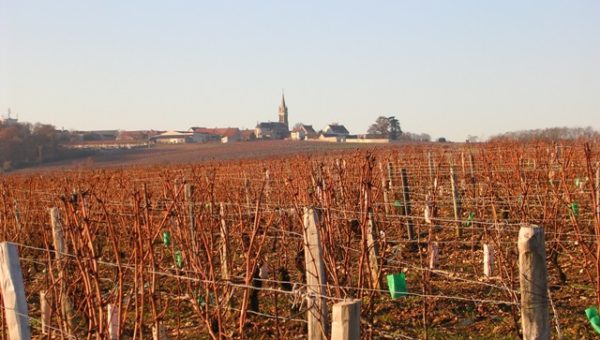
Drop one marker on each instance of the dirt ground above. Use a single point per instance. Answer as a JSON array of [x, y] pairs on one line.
[[198, 153]]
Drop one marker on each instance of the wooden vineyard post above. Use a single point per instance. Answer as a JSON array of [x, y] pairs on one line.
[[390, 176], [345, 324], [434, 255], [112, 313], [535, 319], [247, 194], [45, 312], [385, 188], [158, 332], [598, 192], [224, 244], [268, 186], [17, 215], [472, 168], [373, 251], [430, 165], [456, 202], [59, 252], [407, 205], [189, 198], [13, 292], [462, 162], [488, 260], [315, 278]]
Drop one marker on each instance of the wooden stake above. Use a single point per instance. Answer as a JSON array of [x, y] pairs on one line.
[[112, 313], [598, 191], [158, 332], [45, 313], [488, 260], [390, 175], [407, 205], [59, 251], [189, 198], [247, 194], [535, 318], [346, 320], [472, 167], [434, 255], [224, 244], [456, 202], [13, 292], [17, 216], [317, 315], [373, 249], [431, 170], [385, 188], [268, 186]]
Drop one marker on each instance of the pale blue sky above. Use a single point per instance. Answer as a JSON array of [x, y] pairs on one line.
[[449, 68]]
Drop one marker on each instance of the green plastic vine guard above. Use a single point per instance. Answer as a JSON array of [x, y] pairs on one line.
[[178, 259], [397, 285], [397, 203], [575, 208], [202, 301], [470, 219], [592, 315], [166, 238]]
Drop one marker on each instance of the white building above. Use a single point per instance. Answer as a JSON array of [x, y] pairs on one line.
[[179, 137]]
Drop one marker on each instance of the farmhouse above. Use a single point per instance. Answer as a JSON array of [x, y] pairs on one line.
[[178, 137], [303, 132], [335, 130], [140, 135], [218, 134], [271, 130]]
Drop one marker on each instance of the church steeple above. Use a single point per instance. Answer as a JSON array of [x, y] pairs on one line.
[[283, 111]]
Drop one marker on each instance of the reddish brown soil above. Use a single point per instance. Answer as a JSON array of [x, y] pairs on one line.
[[197, 153]]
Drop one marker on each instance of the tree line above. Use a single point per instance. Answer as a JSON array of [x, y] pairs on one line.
[[549, 134], [389, 127], [24, 144]]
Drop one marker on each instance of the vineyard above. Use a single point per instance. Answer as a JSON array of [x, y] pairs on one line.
[[424, 236]]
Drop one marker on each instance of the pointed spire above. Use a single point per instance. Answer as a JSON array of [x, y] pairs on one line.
[[283, 110], [282, 99]]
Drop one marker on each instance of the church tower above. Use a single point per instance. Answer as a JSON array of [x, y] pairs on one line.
[[283, 112]]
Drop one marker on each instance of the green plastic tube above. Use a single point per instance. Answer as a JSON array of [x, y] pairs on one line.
[[166, 238], [178, 259], [575, 208], [592, 315], [397, 285]]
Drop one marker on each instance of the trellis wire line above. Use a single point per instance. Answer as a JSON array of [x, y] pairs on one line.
[[228, 283], [30, 318]]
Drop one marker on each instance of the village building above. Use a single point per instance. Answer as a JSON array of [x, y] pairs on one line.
[[97, 135], [275, 130], [335, 130], [178, 137], [139, 135], [247, 135], [271, 130], [219, 134], [334, 133], [303, 132]]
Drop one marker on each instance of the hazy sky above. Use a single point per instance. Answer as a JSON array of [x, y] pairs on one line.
[[448, 68]]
